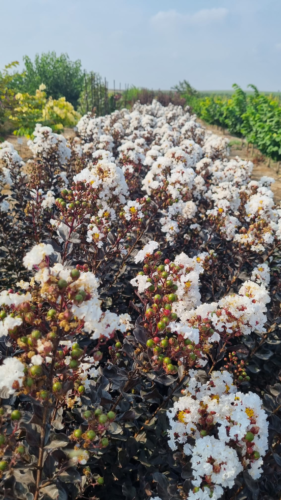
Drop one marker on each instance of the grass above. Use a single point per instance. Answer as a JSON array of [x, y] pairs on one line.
[[235, 142], [229, 93]]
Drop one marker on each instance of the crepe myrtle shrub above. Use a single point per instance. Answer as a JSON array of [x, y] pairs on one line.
[[28, 190], [52, 370], [139, 315]]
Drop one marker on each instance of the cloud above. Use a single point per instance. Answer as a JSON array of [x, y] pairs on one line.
[[208, 16], [172, 18]]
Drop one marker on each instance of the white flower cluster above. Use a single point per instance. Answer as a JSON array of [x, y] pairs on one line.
[[187, 164], [176, 160], [9, 324], [224, 431], [10, 157], [37, 255], [262, 218], [49, 200], [11, 300], [243, 312], [11, 373], [149, 137], [77, 456], [188, 281], [9, 160], [261, 274], [106, 177], [95, 321], [47, 144], [234, 315], [188, 286], [148, 249]]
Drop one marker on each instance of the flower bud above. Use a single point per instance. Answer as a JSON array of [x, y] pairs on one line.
[[98, 356]]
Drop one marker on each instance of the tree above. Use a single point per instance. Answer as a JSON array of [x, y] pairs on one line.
[[62, 77], [7, 95], [185, 89]]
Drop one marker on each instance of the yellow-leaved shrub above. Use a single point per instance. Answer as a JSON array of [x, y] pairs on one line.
[[32, 109]]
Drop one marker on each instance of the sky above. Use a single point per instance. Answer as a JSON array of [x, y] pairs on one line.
[[152, 43]]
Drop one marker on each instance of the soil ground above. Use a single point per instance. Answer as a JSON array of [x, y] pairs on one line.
[[238, 147]]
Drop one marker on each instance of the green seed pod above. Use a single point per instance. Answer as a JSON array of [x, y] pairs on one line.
[[103, 419], [16, 415], [57, 387], [62, 284], [111, 415], [91, 435], [3, 465], [77, 433], [75, 274], [249, 437]]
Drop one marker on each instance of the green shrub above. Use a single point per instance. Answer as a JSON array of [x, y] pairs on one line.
[[33, 109]]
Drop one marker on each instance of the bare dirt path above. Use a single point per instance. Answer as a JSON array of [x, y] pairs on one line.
[[238, 147]]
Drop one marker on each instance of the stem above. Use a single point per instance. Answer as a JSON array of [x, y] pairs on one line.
[[272, 251], [71, 229], [214, 361], [234, 278], [41, 453], [265, 337], [119, 238], [124, 390], [238, 491], [44, 426], [276, 410], [127, 256]]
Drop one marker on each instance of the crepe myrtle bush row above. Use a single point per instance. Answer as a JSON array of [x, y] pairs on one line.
[[139, 315]]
